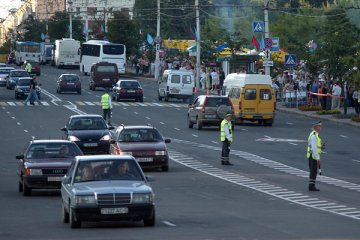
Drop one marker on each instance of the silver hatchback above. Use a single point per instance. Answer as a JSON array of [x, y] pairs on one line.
[[106, 188]]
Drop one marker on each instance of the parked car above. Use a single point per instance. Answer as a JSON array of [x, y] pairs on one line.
[[3, 65], [145, 143], [127, 89], [4, 72], [106, 188], [35, 67], [208, 110], [89, 132], [13, 76], [22, 88], [68, 83], [44, 163]]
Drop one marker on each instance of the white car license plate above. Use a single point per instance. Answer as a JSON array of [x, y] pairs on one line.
[[144, 159], [54, 179], [90, 144], [210, 116], [106, 79], [131, 91], [70, 83], [174, 90], [121, 210]]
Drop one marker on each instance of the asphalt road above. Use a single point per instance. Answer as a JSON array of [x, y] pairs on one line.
[[263, 196]]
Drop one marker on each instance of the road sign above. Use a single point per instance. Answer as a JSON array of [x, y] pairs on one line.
[[267, 42], [275, 44], [258, 26], [268, 64], [267, 54], [157, 47], [290, 60], [157, 40]]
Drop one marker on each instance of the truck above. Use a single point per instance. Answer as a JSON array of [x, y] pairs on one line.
[[46, 52], [66, 53]]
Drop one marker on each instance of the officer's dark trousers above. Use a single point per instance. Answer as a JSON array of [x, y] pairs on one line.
[[313, 169], [225, 151], [107, 114]]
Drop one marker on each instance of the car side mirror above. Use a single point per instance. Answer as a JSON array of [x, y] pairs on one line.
[[66, 180], [63, 129], [111, 128], [167, 140], [150, 178], [20, 157]]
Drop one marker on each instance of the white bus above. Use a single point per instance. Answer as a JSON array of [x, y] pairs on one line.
[[66, 53], [95, 51], [27, 51]]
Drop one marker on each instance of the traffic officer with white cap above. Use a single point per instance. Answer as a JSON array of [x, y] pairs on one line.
[[226, 139], [314, 150]]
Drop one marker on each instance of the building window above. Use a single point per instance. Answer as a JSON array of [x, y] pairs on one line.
[[78, 10]]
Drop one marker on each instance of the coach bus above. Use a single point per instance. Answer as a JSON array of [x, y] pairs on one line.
[[95, 51], [27, 51]]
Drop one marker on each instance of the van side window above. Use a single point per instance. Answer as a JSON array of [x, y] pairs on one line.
[[250, 94], [265, 94], [186, 79], [164, 78], [234, 93], [175, 78]]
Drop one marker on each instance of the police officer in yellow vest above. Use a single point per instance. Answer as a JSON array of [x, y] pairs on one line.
[[226, 139], [106, 105], [313, 154], [28, 67]]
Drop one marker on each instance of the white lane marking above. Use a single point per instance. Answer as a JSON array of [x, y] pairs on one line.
[[289, 123], [177, 129], [269, 189], [45, 103], [293, 144], [13, 117], [343, 136], [8, 112], [162, 123], [11, 103], [215, 142], [169, 223], [26, 131], [136, 113], [276, 165], [194, 135], [147, 118], [355, 160], [243, 129], [158, 104], [270, 139], [89, 103], [18, 123], [124, 104]]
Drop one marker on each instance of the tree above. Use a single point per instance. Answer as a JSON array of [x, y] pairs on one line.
[[31, 29], [123, 30], [59, 27]]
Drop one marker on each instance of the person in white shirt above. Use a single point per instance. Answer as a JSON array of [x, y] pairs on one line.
[[335, 100], [214, 79]]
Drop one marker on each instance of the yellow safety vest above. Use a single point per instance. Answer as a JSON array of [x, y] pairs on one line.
[[105, 101], [318, 144], [28, 68], [222, 132]]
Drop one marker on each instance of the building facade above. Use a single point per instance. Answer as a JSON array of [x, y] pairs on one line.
[[45, 9]]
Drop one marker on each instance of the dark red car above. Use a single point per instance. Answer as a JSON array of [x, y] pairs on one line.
[[35, 68], [44, 163], [68, 83], [144, 143]]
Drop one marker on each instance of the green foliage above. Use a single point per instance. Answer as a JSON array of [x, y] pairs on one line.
[[6, 47], [123, 30], [32, 30], [328, 112], [59, 27], [310, 108]]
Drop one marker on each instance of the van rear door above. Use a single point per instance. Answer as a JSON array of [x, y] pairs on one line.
[[187, 84], [266, 101], [249, 100]]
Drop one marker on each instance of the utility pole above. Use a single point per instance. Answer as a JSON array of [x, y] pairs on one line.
[[157, 42], [267, 31], [70, 12], [87, 27], [197, 36]]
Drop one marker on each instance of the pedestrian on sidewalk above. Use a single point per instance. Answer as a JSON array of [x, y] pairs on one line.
[[226, 137], [106, 105], [314, 150], [356, 98], [336, 93]]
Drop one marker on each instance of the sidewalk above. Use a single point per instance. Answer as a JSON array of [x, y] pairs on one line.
[[280, 106]]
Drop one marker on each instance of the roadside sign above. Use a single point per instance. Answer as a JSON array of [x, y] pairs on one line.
[[275, 47], [157, 40], [258, 26], [290, 60], [268, 63], [267, 42], [267, 54], [157, 47]]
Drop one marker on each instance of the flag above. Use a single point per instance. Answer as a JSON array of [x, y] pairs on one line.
[[262, 43], [85, 29], [255, 43], [102, 28], [192, 33], [149, 39]]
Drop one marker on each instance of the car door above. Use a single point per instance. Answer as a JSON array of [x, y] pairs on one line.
[[163, 84], [187, 83]]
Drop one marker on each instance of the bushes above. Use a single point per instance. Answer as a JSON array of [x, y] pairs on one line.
[[310, 108], [355, 118], [323, 112]]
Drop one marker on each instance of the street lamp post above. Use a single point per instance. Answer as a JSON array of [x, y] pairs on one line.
[[70, 12]]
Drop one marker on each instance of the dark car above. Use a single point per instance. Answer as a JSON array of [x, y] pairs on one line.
[[106, 188], [208, 110], [22, 88], [89, 132], [44, 163], [103, 74], [68, 83], [144, 143], [35, 67], [4, 72], [127, 89], [13, 76]]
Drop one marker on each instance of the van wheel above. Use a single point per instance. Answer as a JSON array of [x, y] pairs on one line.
[[268, 122], [190, 124], [198, 124]]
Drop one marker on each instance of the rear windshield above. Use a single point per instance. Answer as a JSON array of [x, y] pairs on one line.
[[87, 124], [70, 78], [250, 94], [106, 69], [139, 135], [186, 79], [113, 49], [216, 102], [53, 150], [175, 78], [129, 84]]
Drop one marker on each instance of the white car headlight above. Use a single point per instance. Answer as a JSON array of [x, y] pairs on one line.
[[32, 172], [73, 139], [160, 153], [85, 200], [106, 138], [142, 198], [126, 153]]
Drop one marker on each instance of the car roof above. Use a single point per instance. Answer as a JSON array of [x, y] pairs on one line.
[[128, 80], [104, 157], [136, 127], [51, 141], [86, 115], [69, 74], [6, 68], [18, 70], [21, 78], [213, 96]]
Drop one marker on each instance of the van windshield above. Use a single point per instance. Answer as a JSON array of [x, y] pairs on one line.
[[106, 69]]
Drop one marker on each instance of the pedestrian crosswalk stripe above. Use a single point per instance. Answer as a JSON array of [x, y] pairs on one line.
[[95, 103], [45, 103], [80, 103], [11, 103], [89, 103], [142, 104], [158, 104], [124, 104]]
